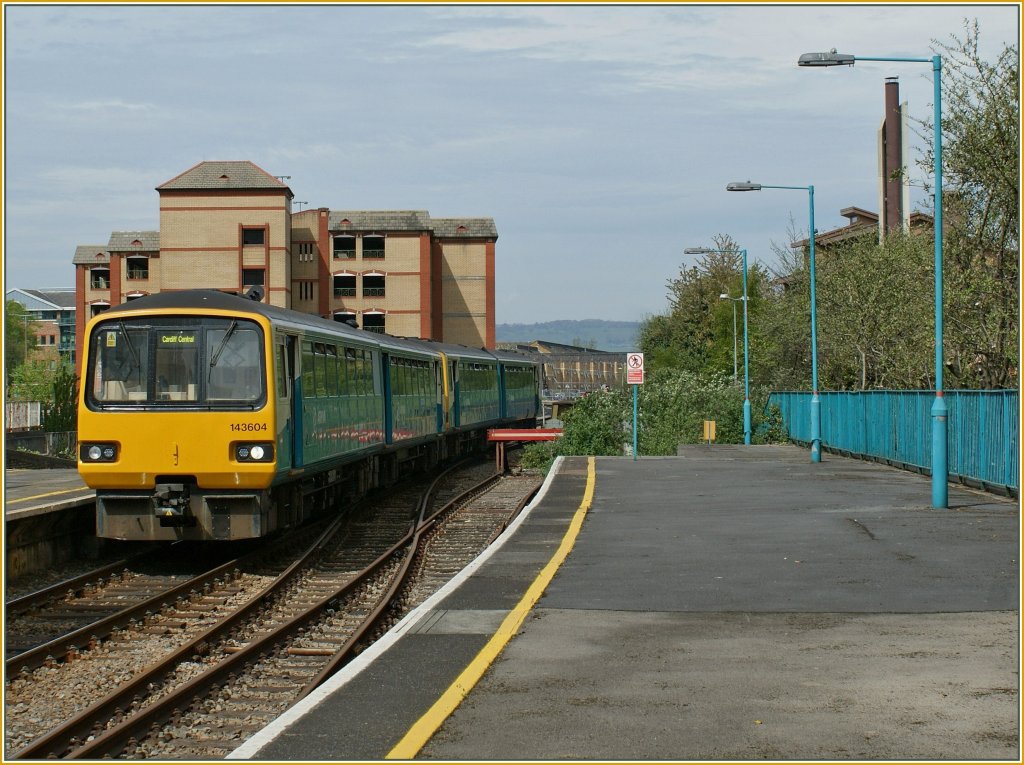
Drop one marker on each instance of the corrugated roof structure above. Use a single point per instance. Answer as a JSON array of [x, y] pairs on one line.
[[59, 298]]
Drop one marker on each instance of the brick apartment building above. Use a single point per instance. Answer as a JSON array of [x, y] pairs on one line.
[[228, 225]]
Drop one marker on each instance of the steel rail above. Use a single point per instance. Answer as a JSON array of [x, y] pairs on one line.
[[23, 603]]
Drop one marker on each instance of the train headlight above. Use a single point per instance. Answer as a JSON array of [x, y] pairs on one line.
[[97, 452], [254, 452]]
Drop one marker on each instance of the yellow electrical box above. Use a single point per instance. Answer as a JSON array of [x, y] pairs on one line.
[[709, 430]]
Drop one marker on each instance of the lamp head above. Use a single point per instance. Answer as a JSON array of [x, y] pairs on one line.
[[743, 186], [826, 59], [697, 251], [724, 296]]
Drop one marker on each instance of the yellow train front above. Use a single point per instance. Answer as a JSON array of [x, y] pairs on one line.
[[178, 420]]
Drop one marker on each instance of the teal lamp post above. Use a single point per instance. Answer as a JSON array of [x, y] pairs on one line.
[[940, 412], [815, 398], [746, 353]]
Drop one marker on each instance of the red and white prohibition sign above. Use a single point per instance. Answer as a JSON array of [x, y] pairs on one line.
[[634, 369]]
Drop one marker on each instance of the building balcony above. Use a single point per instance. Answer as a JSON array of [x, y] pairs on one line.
[[373, 254]]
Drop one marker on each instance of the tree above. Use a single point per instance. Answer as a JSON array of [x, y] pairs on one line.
[[981, 171], [875, 321], [697, 333], [32, 381], [60, 414], [19, 335]]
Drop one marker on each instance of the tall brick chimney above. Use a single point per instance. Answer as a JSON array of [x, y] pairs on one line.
[[892, 182]]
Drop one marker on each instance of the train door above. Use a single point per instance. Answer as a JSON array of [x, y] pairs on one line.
[[389, 421], [284, 385], [295, 376], [439, 395], [503, 407], [453, 375]]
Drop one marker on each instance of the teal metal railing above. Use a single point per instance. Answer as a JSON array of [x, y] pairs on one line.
[[894, 426]]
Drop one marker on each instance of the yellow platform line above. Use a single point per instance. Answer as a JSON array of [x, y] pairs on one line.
[[424, 728], [48, 494]]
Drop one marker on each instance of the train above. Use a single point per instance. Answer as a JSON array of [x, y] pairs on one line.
[[210, 416]]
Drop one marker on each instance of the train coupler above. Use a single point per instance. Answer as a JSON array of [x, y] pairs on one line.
[[172, 504]]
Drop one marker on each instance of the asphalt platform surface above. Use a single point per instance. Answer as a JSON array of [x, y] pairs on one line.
[[731, 603]]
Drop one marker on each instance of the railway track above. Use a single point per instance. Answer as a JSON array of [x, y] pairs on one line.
[[261, 641], [44, 625]]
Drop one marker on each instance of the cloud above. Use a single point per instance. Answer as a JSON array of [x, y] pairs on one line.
[[106, 107]]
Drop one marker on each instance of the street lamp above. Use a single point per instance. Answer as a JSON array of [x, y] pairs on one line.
[[815, 399], [746, 356], [939, 413], [726, 296]]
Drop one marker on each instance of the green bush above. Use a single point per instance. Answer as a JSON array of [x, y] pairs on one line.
[[595, 425]]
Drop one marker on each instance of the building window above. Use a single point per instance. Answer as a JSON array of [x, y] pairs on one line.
[[373, 285], [345, 317], [98, 308], [305, 290], [99, 278], [373, 247], [253, 236], [344, 247], [253, 276], [138, 268], [305, 252], [345, 285], [373, 321]]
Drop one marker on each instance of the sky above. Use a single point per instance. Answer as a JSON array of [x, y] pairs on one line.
[[600, 138]]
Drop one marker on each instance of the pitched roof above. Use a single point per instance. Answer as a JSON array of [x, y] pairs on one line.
[[224, 175], [134, 241], [58, 298], [86, 254], [467, 227], [43, 300], [379, 220], [410, 220]]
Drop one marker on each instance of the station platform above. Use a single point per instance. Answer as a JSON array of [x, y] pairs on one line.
[[731, 603], [37, 492]]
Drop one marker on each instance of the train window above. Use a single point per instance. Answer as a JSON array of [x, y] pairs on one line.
[[308, 382], [120, 373], [282, 372], [233, 359], [175, 359], [331, 368]]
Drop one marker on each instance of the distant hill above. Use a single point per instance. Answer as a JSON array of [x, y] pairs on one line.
[[589, 333]]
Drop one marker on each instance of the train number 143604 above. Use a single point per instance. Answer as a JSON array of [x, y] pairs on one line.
[[247, 427]]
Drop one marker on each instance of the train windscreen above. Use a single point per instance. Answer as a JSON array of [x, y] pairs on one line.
[[175, 361]]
